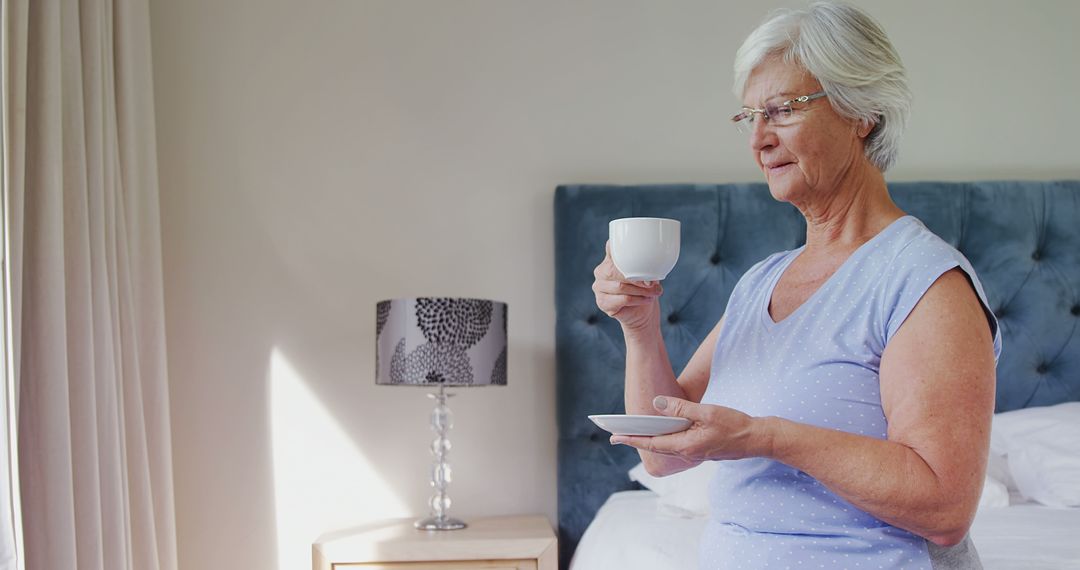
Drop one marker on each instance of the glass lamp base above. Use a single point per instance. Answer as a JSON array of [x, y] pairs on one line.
[[436, 523]]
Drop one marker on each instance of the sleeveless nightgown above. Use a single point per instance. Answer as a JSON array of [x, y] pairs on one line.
[[820, 366]]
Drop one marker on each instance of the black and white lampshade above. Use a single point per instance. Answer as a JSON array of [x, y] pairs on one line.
[[431, 341]]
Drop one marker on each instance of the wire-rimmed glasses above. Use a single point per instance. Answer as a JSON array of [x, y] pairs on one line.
[[775, 113]]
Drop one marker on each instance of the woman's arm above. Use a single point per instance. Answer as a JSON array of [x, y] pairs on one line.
[[937, 391], [649, 374], [636, 305]]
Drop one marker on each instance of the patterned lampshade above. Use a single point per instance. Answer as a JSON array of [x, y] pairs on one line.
[[431, 341]]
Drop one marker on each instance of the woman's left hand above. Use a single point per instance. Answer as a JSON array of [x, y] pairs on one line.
[[716, 432]]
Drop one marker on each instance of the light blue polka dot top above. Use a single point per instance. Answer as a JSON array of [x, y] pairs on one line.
[[820, 366]]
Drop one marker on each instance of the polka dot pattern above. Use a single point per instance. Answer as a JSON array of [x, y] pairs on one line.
[[818, 366]]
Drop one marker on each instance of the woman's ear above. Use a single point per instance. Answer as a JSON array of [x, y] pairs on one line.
[[863, 128]]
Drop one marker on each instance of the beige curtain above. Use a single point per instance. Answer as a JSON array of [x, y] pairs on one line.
[[88, 337]]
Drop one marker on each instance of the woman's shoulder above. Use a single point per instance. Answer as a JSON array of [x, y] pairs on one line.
[[914, 244], [920, 257], [915, 257]]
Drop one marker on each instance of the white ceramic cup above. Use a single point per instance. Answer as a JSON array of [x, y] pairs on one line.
[[644, 249]]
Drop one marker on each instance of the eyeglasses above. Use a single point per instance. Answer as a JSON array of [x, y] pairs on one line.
[[778, 114]]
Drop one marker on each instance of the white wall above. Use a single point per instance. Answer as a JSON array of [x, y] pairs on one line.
[[318, 156]]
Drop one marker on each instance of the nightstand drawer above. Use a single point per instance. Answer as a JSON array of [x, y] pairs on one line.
[[458, 565], [490, 543]]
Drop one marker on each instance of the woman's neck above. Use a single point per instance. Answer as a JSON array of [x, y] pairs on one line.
[[853, 212]]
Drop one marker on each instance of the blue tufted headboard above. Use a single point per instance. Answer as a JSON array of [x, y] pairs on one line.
[[1023, 239]]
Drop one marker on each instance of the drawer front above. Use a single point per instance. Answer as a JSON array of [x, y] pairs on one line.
[[435, 565]]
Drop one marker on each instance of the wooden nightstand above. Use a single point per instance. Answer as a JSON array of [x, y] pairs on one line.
[[503, 543]]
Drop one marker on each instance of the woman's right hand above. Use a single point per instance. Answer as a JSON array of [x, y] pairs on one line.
[[635, 304]]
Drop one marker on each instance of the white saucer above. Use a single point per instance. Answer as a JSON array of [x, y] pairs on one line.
[[620, 424]]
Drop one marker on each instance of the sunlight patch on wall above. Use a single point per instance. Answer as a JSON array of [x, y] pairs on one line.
[[322, 481]]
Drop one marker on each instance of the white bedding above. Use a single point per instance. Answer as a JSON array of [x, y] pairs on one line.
[[632, 531]]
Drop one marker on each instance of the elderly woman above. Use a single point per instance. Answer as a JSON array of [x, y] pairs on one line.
[[849, 387]]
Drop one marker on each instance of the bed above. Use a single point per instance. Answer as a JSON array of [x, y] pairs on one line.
[[1022, 237], [632, 530]]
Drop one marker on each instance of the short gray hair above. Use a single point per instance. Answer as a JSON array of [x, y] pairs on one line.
[[852, 58]]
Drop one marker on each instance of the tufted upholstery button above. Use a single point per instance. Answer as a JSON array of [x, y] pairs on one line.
[[1075, 310], [594, 437], [1000, 312], [1041, 369], [592, 319], [715, 259], [673, 318], [1037, 255]]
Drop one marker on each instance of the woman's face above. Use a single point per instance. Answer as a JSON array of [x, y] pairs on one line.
[[809, 158]]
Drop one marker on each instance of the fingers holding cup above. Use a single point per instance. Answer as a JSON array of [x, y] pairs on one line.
[[647, 248]]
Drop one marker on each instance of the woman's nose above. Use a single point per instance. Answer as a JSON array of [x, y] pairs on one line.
[[762, 135]]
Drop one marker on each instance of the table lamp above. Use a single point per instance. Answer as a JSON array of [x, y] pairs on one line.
[[444, 342]]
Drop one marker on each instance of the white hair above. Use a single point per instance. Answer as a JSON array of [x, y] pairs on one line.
[[852, 58]]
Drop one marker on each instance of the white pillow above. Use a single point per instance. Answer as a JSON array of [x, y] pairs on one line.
[[997, 467], [994, 494], [1042, 449], [682, 494]]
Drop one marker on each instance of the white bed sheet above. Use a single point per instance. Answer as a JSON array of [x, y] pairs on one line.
[[632, 531], [1028, 536]]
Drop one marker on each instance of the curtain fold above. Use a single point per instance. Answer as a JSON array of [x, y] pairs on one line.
[[88, 334]]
